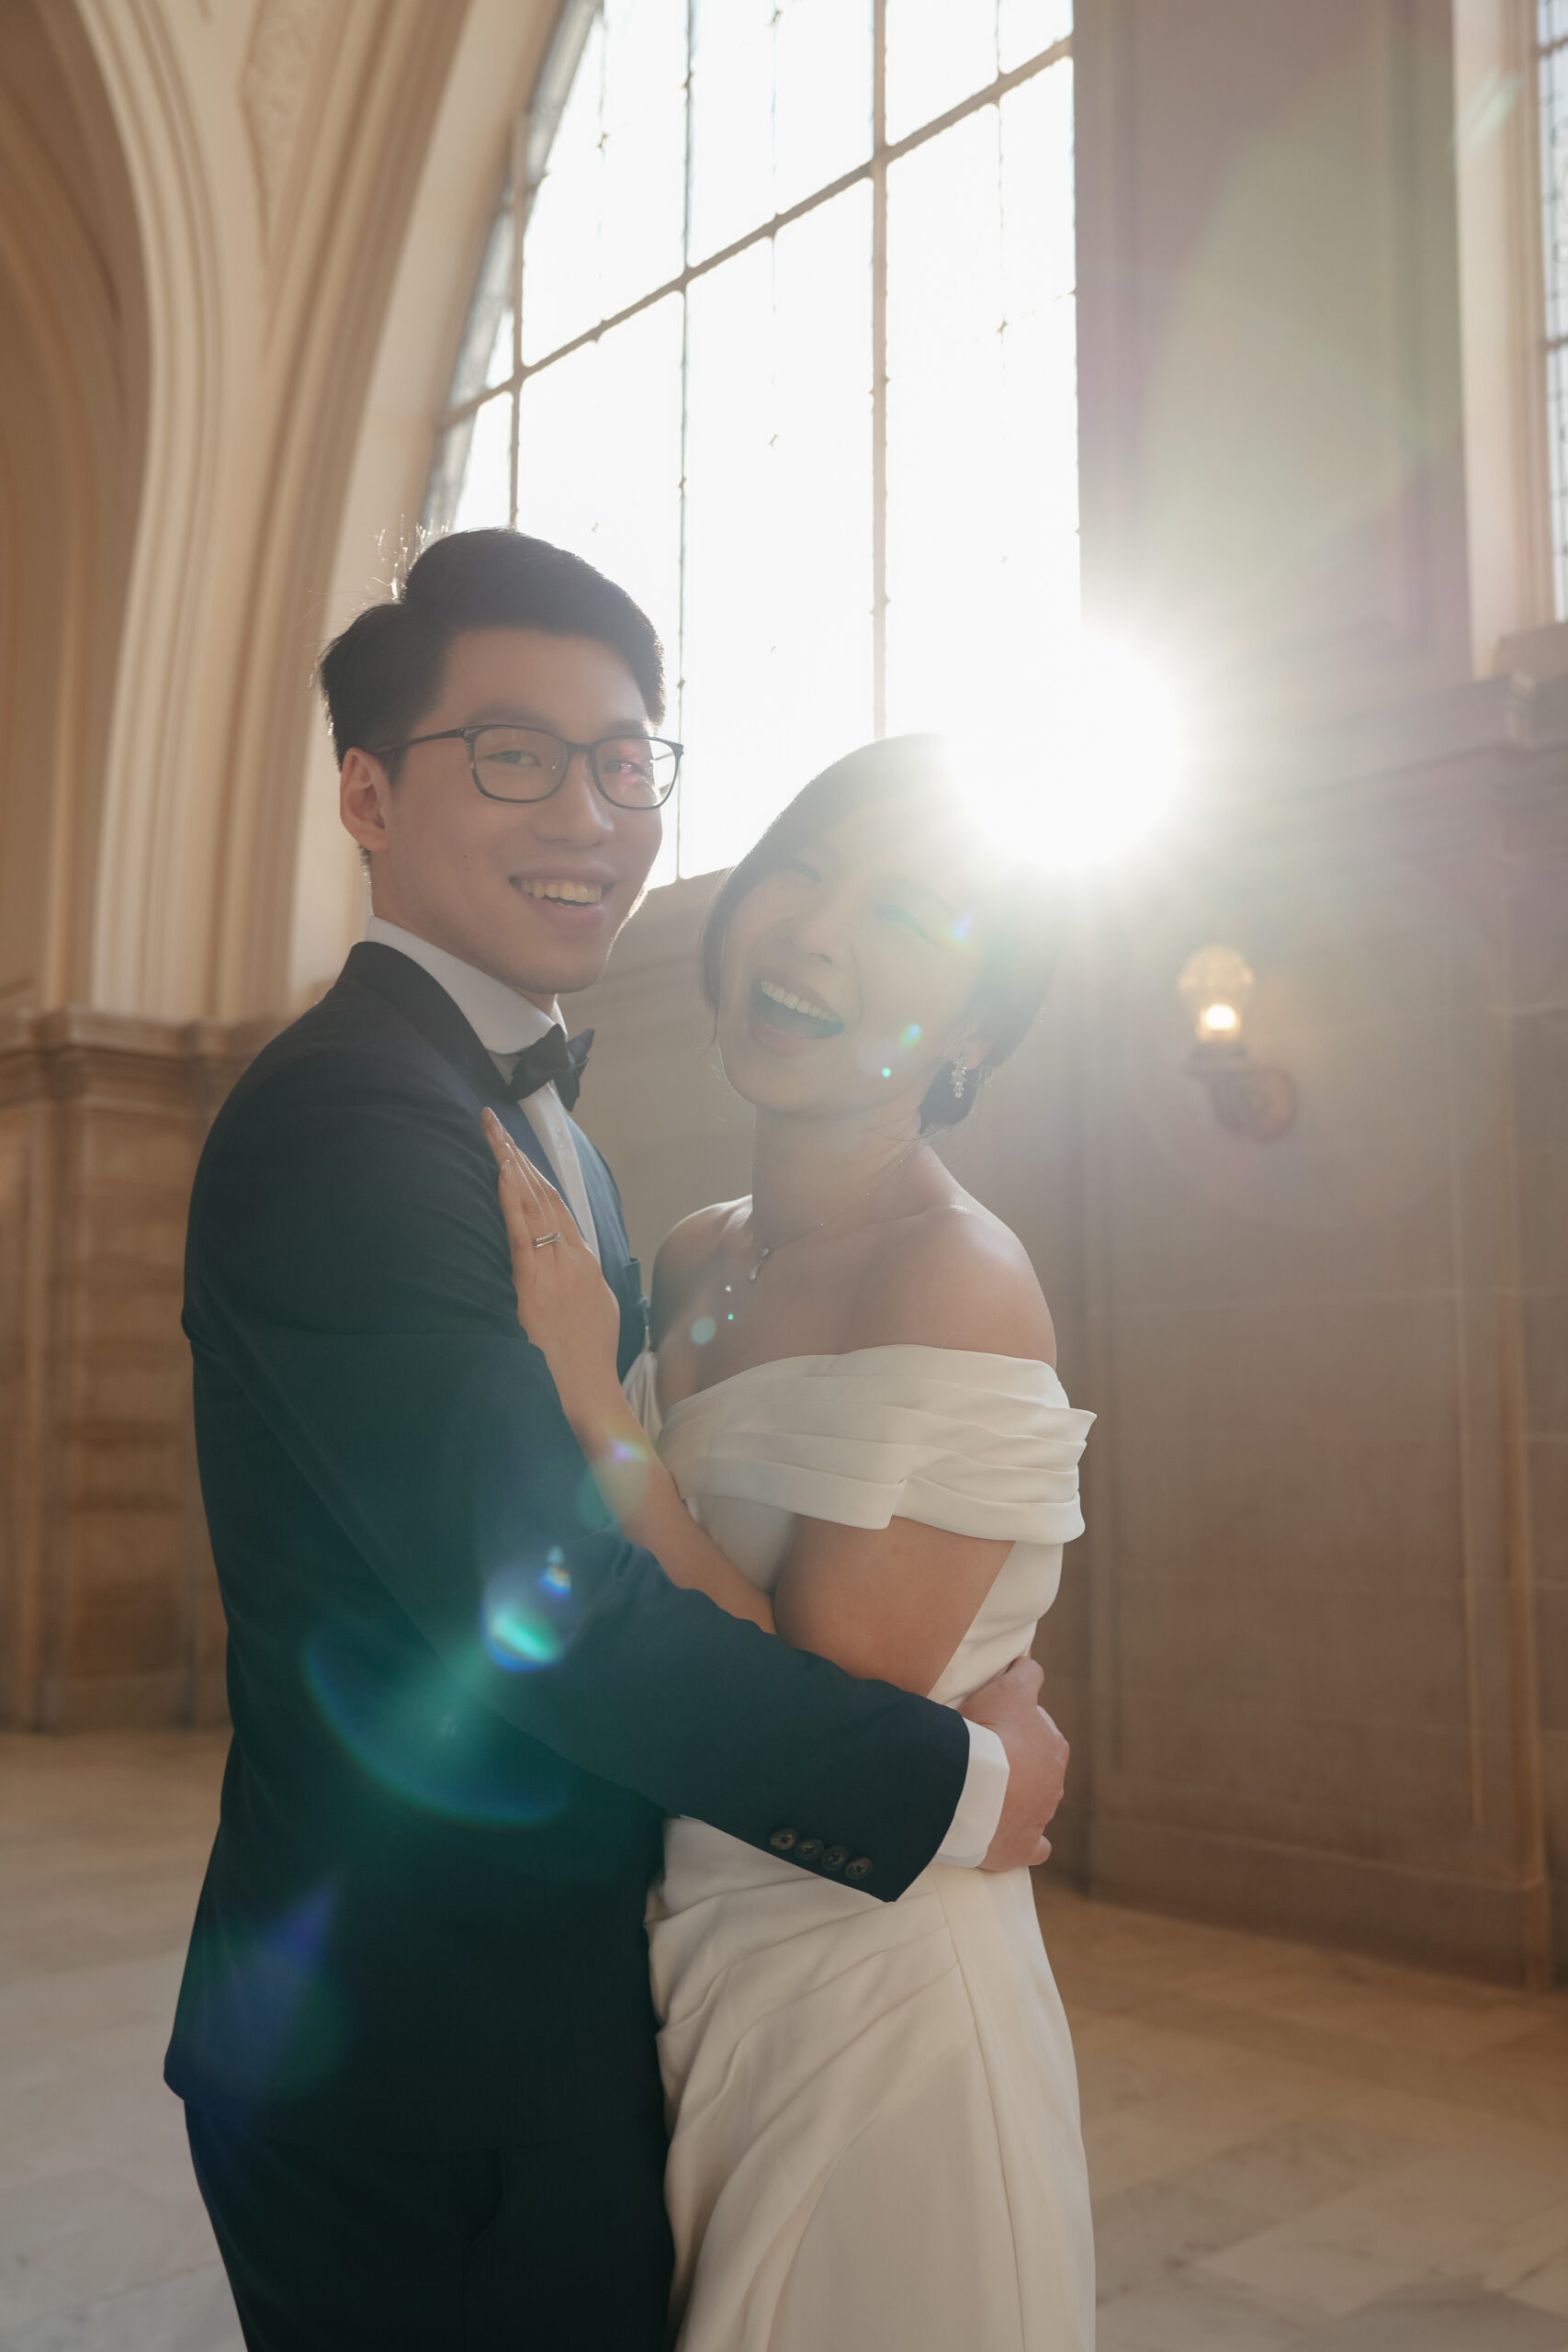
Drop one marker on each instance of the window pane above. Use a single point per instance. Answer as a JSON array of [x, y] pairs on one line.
[[937, 51], [1557, 449], [776, 655], [732, 121], [822, 110], [1039, 259], [947, 488], [736, 763], [599, 472], [445, 484], [1552, 75], [484, 355], [821, 562], [644, 186], [982, 438], [561, 244], [598, 457], [1026, 27], [1040, 425], [486, 496], [1554, 188]]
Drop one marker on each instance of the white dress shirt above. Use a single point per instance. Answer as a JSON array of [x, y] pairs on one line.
[[505, 1022]]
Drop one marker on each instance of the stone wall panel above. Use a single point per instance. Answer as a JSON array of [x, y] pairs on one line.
[[110, 1607]]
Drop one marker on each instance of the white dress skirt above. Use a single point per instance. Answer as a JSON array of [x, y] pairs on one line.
[[874, 2136]]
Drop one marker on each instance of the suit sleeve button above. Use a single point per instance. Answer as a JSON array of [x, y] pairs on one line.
[[859, 1868], [808, 1850], [782, 1840], [835, 1857]]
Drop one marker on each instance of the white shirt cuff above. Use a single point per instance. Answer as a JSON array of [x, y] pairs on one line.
[[974, 1823]]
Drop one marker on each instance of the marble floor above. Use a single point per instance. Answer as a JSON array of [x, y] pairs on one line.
[[1288, 2147]]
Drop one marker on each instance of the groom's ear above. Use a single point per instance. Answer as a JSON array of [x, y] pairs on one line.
[[364, 791]]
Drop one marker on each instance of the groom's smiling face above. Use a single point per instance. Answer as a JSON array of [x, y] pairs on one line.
[[533, 892]]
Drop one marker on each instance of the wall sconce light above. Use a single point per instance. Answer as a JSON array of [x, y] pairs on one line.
[[1216, 985]]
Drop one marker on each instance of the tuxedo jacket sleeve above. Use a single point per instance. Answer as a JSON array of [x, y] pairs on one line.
[[349, 1289]]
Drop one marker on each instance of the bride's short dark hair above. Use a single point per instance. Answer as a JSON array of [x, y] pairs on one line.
[[1018, 927]]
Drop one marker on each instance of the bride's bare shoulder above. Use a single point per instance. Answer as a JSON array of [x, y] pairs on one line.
[[954, 1276], [684, 1255]]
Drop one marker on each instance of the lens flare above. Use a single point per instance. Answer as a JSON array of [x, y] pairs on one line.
[[269, 2022], [702, 1331], [887, 1056], [425, 1740], [1093, 772], [522, 1629]]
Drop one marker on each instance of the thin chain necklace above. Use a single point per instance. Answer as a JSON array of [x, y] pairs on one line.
[[808, 1230]]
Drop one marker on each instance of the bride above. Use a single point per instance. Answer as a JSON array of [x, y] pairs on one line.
[[850, 1433]]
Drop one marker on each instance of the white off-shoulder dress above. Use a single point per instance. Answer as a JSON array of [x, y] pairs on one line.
[[873, 2107]]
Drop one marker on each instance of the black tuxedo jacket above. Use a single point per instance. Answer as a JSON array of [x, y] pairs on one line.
[[461, 1702]]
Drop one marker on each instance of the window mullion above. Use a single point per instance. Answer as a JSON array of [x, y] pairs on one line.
[[521, 143]]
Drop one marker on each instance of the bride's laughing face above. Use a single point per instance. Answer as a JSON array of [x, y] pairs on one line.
[[848, 973]]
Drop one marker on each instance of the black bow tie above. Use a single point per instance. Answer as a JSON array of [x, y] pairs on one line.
[[557, 1058]]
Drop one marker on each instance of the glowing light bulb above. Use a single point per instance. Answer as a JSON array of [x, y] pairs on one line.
[[1214, 985]]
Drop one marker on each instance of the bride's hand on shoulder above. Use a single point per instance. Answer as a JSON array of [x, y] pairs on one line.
[[563, 1301]]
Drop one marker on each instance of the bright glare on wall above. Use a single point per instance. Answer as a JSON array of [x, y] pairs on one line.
[[803, 380]]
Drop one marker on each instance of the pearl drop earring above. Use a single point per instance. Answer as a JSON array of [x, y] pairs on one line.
[[959, 1075]]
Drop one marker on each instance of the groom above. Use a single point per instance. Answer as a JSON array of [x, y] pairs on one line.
[[414, 2037]]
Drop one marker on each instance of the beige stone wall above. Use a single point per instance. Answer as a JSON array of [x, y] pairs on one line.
[[108, 1611], [1536, 882]]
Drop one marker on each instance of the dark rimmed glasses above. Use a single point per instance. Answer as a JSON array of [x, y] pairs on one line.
[[527, 764]]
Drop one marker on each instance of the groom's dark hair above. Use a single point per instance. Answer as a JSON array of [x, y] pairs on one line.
[[385, 670]]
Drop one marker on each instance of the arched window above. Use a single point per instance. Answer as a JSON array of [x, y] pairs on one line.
[[786, 346]]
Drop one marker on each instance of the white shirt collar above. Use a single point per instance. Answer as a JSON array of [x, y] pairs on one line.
[[503, 1021]]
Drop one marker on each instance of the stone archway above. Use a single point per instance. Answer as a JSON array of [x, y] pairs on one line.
[[73, 435]]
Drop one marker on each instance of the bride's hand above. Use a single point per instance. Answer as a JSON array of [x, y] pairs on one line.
[[563, 1301]]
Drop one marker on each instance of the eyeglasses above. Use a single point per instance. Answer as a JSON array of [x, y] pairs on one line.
[[526, 764]]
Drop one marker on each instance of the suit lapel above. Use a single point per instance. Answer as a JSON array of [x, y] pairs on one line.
[[425, 1003]]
